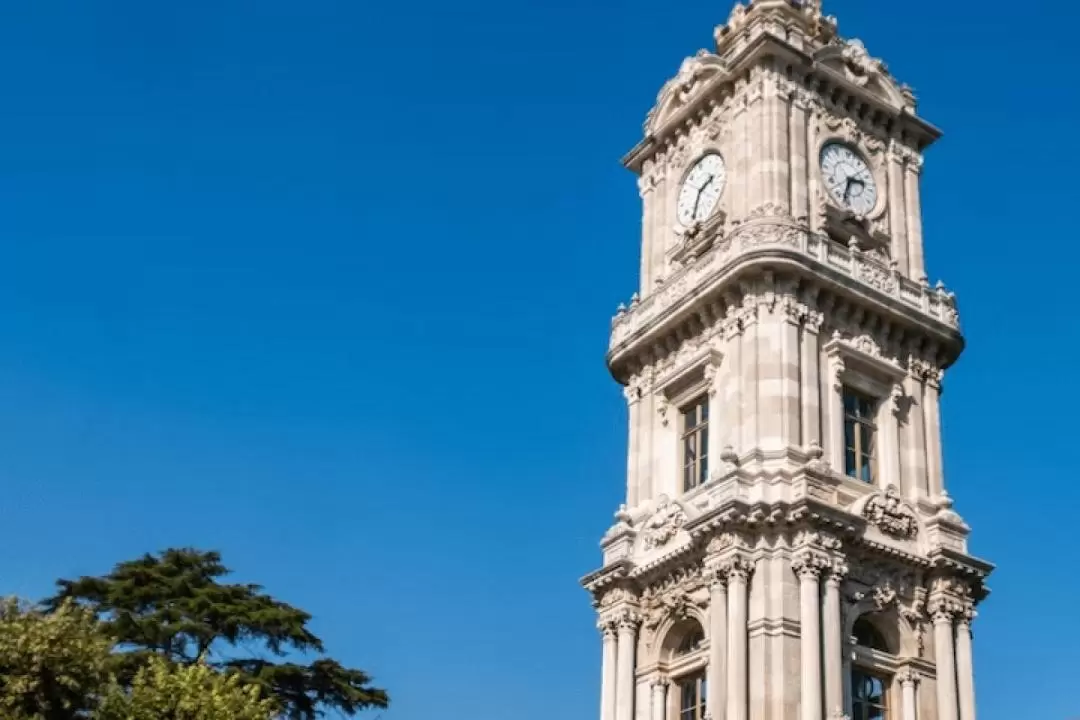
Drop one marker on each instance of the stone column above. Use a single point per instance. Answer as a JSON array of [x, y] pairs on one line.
[[718, 609], [897, 224], [607, 683], [737, 685], [913, 217], [965, 672], [715, 429], [634, 492], [946, 665], [809, 368], [934, 469], [808, 567], [835, 416], [834, 642], [659, 699], [909, 704], [624, 685]]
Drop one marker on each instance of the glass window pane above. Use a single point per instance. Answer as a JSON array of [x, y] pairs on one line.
[[849, 463], [704, 442], [704, 410], [849, 402]]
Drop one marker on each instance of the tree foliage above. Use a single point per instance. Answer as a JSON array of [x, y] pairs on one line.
[[162, 690], [52, 666], [175, 606]]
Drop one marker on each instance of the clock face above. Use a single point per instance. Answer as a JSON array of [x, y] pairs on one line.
[[848, 178], [700, 191]]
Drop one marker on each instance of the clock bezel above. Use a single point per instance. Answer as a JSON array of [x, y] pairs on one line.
[[690, 167], [875, 171]]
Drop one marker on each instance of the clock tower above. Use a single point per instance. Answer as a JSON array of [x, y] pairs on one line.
[[787, 549]]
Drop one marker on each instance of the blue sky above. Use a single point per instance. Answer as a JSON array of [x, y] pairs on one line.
[[327, 285]]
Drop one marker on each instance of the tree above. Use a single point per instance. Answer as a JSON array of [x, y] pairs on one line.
[[52, 666], [161, 690], [174, 605]]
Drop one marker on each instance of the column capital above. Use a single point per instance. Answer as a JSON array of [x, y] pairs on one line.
[[607, 628], [736, 567], [627, 620], [660, 683], [908, 676], [810, 564]]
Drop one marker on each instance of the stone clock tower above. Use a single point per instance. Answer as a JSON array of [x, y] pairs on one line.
[[787, 550]]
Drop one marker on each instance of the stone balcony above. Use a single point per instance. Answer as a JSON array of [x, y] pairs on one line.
[[778, 241]]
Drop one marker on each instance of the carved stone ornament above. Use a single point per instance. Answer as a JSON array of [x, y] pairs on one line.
[[888, 512], [684, 88], [671, 597], [665, 522]]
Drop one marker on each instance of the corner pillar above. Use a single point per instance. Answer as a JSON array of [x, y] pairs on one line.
[[624, 685]]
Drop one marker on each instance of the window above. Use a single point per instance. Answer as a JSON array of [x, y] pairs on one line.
[[869, 636], [869, 696], [695, 443], [692, 697], [691, 642], [859, 436]]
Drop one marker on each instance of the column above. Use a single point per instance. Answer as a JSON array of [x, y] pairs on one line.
[[916, 459], [715, 439], [946, 665], [607, 683], [809, 365], [834, 644], [835, 416], [634, 491], [718, 608], [737, 699], [624, 685], [897, 226], [934, 470], [810, 637], [800, 160], [913, 218], [889, 451], [965, 672], [659, 699], [908, 681]]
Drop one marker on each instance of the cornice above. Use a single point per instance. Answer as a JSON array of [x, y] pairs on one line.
[[772, 245], [767, 49]]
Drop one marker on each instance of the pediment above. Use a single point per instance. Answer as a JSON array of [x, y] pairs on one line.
[[695, 75], [851, 61]]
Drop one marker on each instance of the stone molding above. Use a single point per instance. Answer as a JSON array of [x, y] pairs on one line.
[[696, 282]]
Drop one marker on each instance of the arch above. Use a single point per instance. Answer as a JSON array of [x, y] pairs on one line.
[[868, 635], [683, 637]]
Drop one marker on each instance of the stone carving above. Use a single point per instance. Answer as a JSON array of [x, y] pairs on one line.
[[672, 596], [790, 237], [664, 523], [888, 512], [685, 87]]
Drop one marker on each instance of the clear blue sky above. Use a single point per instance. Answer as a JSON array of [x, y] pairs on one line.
[[327, 286]]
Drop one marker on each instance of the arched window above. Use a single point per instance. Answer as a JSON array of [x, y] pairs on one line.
[[868, 636], [691, 642]]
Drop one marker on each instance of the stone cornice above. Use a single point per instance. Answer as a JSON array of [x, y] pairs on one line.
[[691, 94], [772, 245]]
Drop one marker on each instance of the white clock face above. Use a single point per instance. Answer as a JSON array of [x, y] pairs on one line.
[[701, 190], [848, 178]]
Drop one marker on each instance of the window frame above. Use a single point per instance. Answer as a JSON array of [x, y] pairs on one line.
[[697, 435], [882, 675], [699, 711], [860, 423]]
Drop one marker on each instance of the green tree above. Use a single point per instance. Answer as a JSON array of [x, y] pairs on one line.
[[162, 690], [52, 666], [174, 605]]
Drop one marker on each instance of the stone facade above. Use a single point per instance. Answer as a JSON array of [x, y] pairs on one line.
[[764, 577]]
